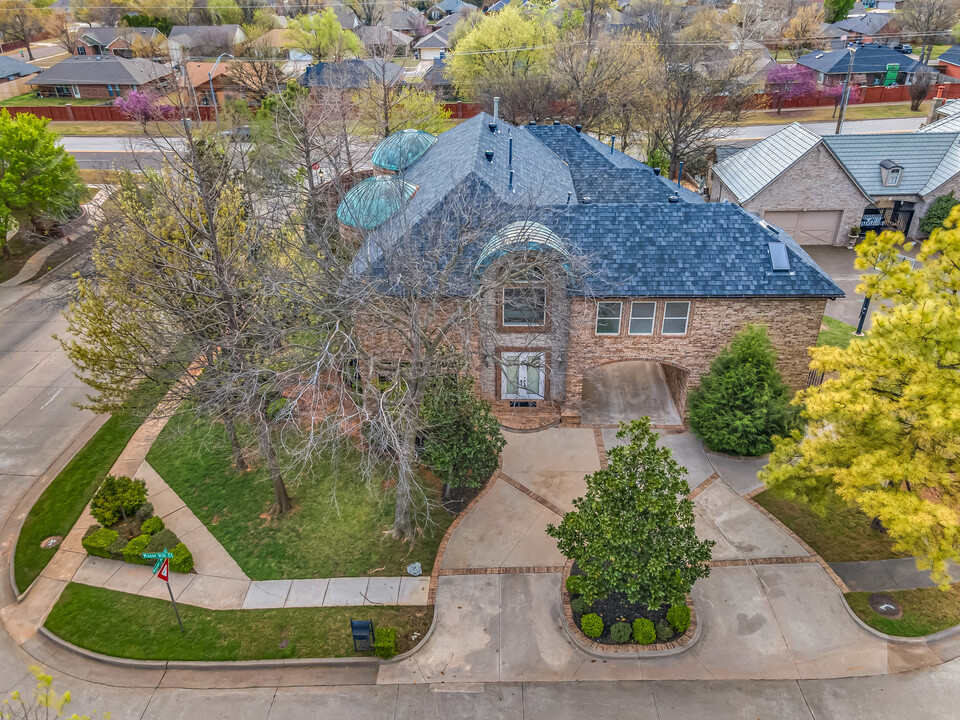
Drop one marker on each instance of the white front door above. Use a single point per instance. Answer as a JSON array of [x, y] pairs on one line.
[[76, 91], [521, 376]]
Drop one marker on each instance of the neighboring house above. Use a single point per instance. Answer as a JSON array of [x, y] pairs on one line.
[[671, 279], [888, 5], [116, 40], [351, 74], [197, 78], [13, 76], [435, 78], [102, 76], [448, 7], [941, 111], [817, 188], [949, 62], [872, 65], [408, 21], [203, 40], [381, 41], [435, 45], [862, 26], [279, 39]]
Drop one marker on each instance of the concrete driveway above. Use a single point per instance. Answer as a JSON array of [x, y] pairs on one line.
[[627, 390], [837, 262]]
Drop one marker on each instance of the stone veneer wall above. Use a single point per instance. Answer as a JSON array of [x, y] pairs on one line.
[[793, 325]]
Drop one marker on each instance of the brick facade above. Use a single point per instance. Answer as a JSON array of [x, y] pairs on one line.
[[120, 47], [101, 91]]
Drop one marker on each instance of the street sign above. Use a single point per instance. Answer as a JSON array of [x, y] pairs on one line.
[[164, 573]]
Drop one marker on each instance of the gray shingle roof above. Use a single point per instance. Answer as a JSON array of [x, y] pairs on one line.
[[106, 35], [641, 244], [351, 73], [867, 59], [751, 170], [950, 55], [190, 35], [439, 38], [928, 159], [868, 24], [11, 67], [101, 70]]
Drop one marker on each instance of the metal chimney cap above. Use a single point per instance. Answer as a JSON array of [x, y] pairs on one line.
[[492, 126], [532, 122], [656, 171], [556, 122], [578, 128], [488, 154], [673, 199]]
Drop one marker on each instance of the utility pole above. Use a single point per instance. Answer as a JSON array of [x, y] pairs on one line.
[[213, 93], [846, 91]]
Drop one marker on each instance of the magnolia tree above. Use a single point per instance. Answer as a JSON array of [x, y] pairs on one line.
[[789, 82]]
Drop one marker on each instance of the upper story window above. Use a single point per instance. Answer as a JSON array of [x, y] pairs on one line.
[[608, 318], [891, 173], [675, 317], [894, 177], [641, 317], [524, 307]]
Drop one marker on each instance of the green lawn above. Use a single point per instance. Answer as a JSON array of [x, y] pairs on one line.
[[125, 625], [838, 333], [59, 507], [337, 528], [841, 534], [925, 611], [826, 113], [31, 100], [938, 50]]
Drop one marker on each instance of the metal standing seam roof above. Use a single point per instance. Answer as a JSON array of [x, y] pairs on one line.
[[399, 150], [948, 123], [928, 160], [369, 203], [752, 169], [867, 59]]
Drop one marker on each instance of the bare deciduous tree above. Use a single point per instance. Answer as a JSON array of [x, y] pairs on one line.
[[927, 18], [262, 70], [63, 32]]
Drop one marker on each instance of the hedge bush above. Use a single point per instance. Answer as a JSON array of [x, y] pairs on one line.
[[385, 642], [145, 512], [132, 552], [99, 541], [118, 498], [151, 526], [575, 584], [592, 625], [664, 631], [182, 561], [117, 548], [163, 540], [620, 632], [644, 632], [579, 606], [679, 618], [938, 212]]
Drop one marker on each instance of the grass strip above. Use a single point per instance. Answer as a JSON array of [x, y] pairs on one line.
[[62, 502], [123, 625], [338, 526], [838, 333], [925, 611], [841, 534]]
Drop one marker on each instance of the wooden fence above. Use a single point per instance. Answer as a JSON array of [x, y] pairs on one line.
[[878, 94], [93, 113]]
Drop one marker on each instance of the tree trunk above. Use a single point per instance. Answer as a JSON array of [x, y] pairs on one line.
[[406, 470], [281, 500], [29, 50], [234, 443]]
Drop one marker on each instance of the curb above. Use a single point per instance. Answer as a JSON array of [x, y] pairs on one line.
[[924, 640]]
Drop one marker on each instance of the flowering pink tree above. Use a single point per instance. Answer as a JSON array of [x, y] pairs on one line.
[[790, 81], [835, 91], [144, 106]]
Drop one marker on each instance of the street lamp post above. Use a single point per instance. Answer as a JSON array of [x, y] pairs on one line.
[[846, 91], [213, 93]]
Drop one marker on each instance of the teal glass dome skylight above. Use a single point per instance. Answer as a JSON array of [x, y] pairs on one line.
[[369, 203], [519, 236], [402, 149]]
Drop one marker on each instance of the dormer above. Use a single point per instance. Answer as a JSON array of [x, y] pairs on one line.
[[890, 173]]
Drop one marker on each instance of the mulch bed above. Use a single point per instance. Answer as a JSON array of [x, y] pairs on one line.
[[460, 498], [616, 608]]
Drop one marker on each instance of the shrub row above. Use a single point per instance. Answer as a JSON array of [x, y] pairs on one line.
[[106, 543], [643, 631]]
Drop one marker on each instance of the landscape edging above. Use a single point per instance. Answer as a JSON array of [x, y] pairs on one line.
[[608, 652], [927, 640]]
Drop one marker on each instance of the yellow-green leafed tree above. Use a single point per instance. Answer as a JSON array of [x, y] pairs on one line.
[[512, 43], [884, 429], [322, 37]]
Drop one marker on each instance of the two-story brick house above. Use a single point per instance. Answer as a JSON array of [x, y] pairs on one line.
[[669, 281]]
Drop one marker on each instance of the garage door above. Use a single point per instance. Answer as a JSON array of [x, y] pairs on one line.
[[810, 227]]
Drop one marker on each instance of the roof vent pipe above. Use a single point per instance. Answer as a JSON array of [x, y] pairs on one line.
[[511, 181], [656, 171], [496, 110], [556, 122], [488, 154], [568, 197], [510, 153], [579, 128], [612, 139]]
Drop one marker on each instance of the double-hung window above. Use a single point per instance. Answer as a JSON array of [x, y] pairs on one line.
[[524, 307], [608, 318], [675, 317], [641, 317]]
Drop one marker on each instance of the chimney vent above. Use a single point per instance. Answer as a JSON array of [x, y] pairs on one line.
[[511, 181], [556, 122], [673, 199], [488, 155], [510, 153], [656, 171], [612, 139], [496, 110], [492, 126], [579, 128]]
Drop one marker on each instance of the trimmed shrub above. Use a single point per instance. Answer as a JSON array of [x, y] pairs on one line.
[[620, 632], [116, 550], [131, 553], [182, 561], [938, 212], [579, 606], [99, 541], [151, 526], [145, 511], [575, 584], [385, 642], [592, 625], [118, 498], [644, 632], [664, 631], [743, 402], [163, 540], [679, 618]]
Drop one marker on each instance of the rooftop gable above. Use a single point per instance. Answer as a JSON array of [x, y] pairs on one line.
[[950, 55], [866, 59], [101, 70]]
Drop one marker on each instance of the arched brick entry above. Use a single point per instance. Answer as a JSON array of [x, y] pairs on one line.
[[629, 389]]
